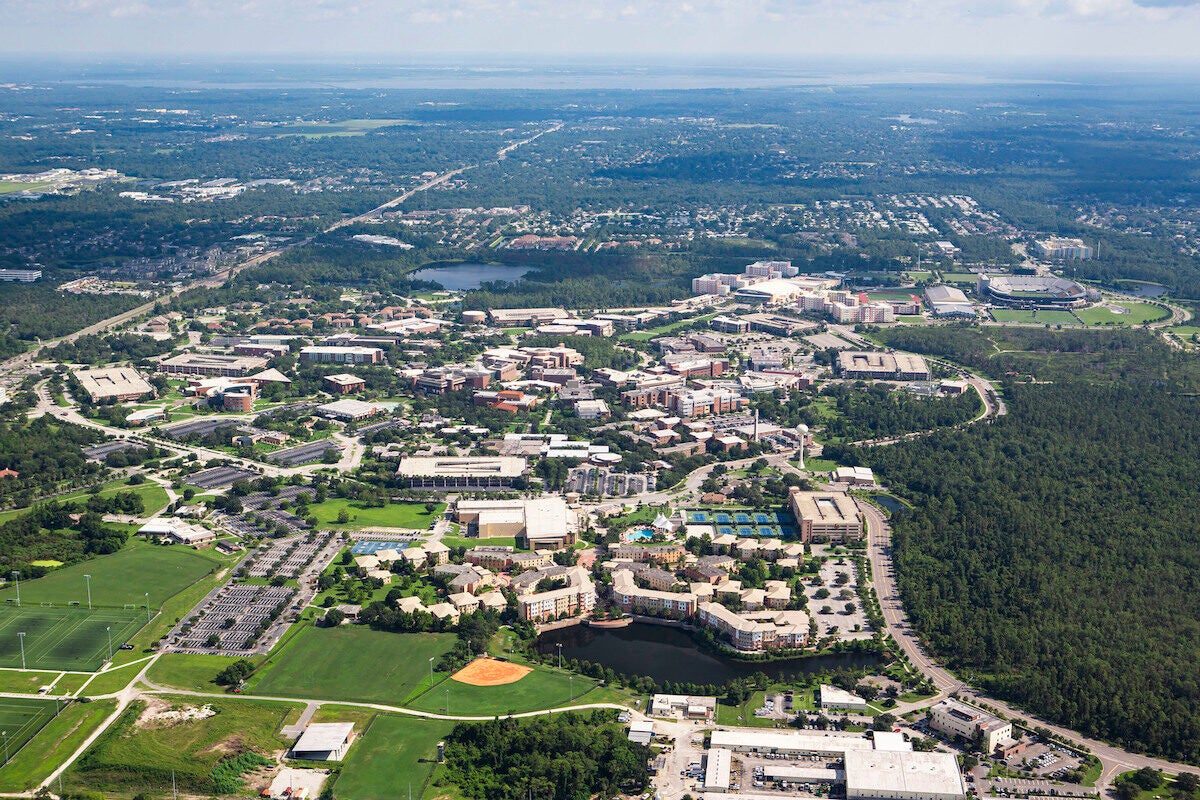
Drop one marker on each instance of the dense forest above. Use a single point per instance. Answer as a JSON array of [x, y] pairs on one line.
[[569, 756], [1053, 557]]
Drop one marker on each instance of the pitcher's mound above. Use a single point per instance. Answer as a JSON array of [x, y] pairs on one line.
[[490, 672]]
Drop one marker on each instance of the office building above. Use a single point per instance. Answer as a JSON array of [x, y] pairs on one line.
[[829, 515]]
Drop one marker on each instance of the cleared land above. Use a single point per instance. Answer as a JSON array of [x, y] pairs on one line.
[[490, 672], [188, 736], [394, 753], [352, 663], [64, 638], [664, 330], [348, 127], [394, 515], [120, 579]]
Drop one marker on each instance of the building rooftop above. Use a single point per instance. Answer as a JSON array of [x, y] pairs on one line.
[[449, 466], [113, 382], [323, 737], [827, 508], [876, 773]]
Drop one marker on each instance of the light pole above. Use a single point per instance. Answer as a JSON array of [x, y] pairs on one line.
[[571, 678], [5, 735], [109, 629], [17, 578], [559, 646], [147, 608], [88, 578], [447, 701], [431, 658], [21, 639]]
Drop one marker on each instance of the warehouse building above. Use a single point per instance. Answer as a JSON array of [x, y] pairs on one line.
[[115, 383], [827, 514], [716, 768], [890, 775], [324, 741], [543, 523], [745, 740], [835, 699]]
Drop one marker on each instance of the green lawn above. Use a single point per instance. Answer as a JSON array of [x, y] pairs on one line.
[[463, 541], [960, 277], [665, 330], [393, 515], [1034, 317], [351, 663], [347, 127], [9, 187], [187, 671], [124, 762], [1185, 332], [395, 754], [113, 680], [121, 578], [16, 681], [59, 739], [820, 465], [911, 319], [542, 688], [1135, 314], [153, 496]]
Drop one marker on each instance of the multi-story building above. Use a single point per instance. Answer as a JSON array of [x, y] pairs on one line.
[[317, 354], [972, 724], [211, 364], [634, 599], [577, 597], [826, 514], [867, 365]]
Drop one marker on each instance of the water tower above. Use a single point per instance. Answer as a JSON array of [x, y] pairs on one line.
[[803, 429]]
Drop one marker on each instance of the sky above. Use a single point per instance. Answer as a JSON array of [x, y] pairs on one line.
[[1161, 31]]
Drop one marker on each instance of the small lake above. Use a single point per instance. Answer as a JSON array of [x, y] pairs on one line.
[[888, 502], [1139, 289], [461, 277], [669, 654]]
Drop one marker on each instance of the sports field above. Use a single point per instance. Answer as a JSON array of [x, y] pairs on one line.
[[352, 663], [491, 672], [393, 515], [1122, 313], [119, 579], [541, 688], [21, 719], [58, 637], [393, 752]]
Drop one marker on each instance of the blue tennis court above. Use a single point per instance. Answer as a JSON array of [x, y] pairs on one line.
[[724, 530], [723, 518], [745, 530], [699, 517], [742, 518], [764, 519], [768, 531], [370, 548]]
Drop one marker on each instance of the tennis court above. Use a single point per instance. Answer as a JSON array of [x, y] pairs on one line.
[[21, 719], [64, 637]]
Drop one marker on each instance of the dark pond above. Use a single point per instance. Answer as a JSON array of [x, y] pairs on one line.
[[888, 502], [461, 277], [669, 654], [1139, 289]]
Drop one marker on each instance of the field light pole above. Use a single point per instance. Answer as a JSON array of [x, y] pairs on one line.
[[88, 578], [571, 678], [431, 658], [147, 608], [109, 629], [17, 578], [447, 701], [559, 646], [21, 639], [5, 735]]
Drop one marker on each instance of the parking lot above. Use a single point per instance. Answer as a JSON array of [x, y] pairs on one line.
[[218, 477], [286, 558], [828, 599], [240, 616]]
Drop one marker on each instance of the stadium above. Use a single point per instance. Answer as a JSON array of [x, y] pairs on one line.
[[1033, 291]]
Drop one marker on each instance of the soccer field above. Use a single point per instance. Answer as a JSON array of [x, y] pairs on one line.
[[69, 638], [21, 719]]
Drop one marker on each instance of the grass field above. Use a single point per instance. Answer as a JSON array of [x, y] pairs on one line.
[[394, 753], [1185, 332], [911, 319], [121, 578], [64, 638], [1136, 314], [664, 330], [542, 688], [113, 680], [394, 515], [352, 663], [153, 496], [124, 762], [187, 671], [820, 465], [9, 187], [16, 681], [960, 277], [21, 719], [58, 739], [1034, 317]]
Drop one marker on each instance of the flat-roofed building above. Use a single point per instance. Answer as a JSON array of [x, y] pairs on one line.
[[212, 364], [840, 700], [690, 706], [866, 365], [972, 724], [745, 740], [716, 768], [348, 410], [525, 317], [114, 383], [450, 472], [344, 383], [318, 354], [854, 476], [324, 741], [891, 775], [829, 514], [539, 523]]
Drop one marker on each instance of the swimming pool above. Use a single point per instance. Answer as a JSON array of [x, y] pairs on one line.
[[644, 535]]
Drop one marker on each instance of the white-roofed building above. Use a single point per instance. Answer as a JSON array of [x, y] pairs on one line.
[[891, 775], [837, 699], [324, 741], [717, 767]]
